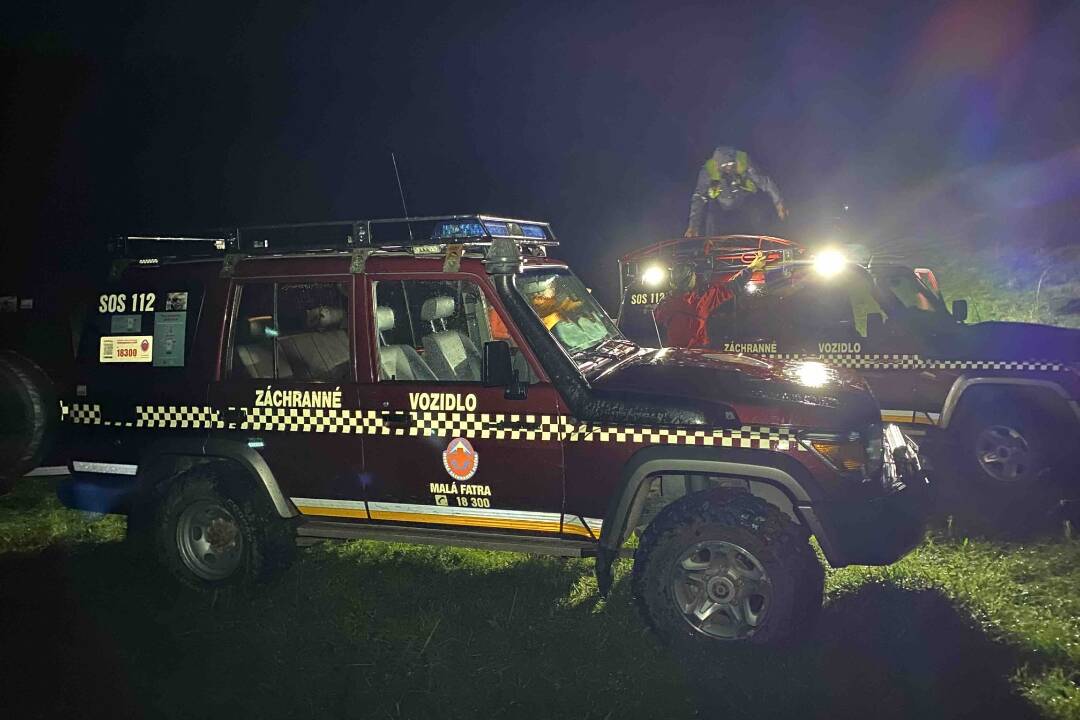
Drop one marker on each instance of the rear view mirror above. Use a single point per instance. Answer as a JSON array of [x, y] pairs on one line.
[[960, 310], [875, 325]]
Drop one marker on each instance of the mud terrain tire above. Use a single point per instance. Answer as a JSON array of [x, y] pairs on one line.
[[29, 414], [745, 556], [213, 531]]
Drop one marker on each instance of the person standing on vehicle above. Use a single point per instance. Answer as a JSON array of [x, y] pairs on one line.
[[681, 317], [730, 196]]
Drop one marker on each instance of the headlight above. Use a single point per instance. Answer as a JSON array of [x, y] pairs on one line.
[[654, 276], [829, 263], [846, 453]]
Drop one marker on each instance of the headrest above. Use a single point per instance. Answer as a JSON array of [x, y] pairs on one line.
[[439, 307], [324, 317], [257, 327], [384, 318]]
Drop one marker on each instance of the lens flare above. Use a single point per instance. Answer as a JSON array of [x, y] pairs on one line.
[[654, 276], [812, 374], [829, 263]]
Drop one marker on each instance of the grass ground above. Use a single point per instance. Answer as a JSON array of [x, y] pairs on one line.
[[962, 627], [1027, 285], [958, 628]]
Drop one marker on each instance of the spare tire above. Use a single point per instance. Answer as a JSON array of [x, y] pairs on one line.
[[28, 416]]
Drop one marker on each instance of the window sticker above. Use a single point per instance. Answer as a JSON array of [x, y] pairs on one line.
[[26, 304], [125, 324], [126, 349], [176, 301], [169, 332]]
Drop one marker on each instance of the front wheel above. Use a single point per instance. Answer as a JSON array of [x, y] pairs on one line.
[[212, 533], [723, 566]]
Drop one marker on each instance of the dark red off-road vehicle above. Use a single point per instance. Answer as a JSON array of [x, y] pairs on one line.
[[1003, 397], [341, 380]]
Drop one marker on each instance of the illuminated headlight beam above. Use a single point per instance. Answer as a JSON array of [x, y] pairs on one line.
[[654, 276], [828, 263]]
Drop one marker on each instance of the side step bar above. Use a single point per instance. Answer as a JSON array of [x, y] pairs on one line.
[[313, 531]]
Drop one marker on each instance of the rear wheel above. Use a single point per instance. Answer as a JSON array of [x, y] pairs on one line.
[[28, 415], [213, 532], [1007, 448], [725, 566]]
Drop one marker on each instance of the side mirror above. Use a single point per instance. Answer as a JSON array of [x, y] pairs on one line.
[[498, 370], [960, 310], [875, 325]]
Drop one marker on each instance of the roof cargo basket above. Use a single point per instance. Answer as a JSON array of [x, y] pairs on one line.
[[418, 234]]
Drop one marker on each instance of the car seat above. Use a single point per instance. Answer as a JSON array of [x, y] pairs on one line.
[[322, 354], [451, 354], [397, 362], [255, 350]]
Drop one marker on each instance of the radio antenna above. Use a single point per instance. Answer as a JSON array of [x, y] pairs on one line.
[[401, 192]]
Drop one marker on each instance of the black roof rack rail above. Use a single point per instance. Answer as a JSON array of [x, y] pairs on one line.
[[424, 234]]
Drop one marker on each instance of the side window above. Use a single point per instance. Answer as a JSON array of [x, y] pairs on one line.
[[434, 331], [295, 331], [863, 304], [121, 317], [254, 331]]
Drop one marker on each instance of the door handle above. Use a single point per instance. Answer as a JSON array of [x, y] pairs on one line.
[[399, 419], [234, 416]]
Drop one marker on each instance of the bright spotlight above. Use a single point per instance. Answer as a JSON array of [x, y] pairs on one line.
[[752, 287], [829, 263], [654, 276], [812, 374]]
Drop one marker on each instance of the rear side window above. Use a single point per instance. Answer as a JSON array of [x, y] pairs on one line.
[[138, 325], [292, 331]]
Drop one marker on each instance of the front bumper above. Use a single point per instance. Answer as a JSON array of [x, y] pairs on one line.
[[877, 530]]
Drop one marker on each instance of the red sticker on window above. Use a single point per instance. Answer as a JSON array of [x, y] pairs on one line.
[[460, 459]]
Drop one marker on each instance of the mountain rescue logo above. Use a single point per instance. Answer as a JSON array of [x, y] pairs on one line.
[[460, 459]]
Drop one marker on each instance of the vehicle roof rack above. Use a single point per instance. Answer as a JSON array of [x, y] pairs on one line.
[[420, 235], [718, 245]]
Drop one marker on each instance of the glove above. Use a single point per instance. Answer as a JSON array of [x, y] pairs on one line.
[[758, 263], [781, 211]]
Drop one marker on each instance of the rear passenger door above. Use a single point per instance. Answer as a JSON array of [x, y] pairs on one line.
[[288, 388], [445, 450]]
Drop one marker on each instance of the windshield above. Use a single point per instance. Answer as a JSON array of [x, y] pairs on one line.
[[567, 309], [906, 287]]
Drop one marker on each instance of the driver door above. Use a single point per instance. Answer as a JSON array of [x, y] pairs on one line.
[[447, 450]]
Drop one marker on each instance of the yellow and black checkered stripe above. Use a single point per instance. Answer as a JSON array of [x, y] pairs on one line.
[[885, 361], [482, 426]]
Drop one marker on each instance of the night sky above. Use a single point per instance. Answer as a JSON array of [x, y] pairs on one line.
[[952, 118]]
